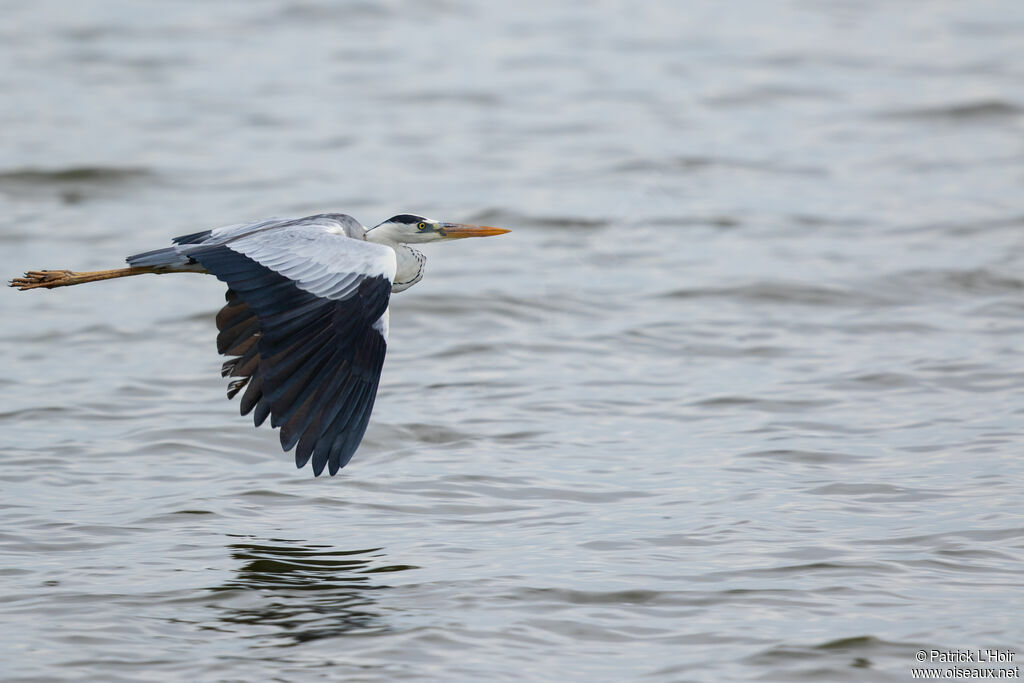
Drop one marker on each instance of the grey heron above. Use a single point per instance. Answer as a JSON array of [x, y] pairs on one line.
[[305, 325]]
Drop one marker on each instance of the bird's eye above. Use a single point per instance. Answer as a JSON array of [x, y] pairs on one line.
[[422, 226]]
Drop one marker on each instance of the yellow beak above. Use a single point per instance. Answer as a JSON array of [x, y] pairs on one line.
[[457, 230]]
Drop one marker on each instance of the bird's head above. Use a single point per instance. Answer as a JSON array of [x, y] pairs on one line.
[[410, 229]]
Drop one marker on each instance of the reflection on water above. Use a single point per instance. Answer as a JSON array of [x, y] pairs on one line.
[[306, 591]]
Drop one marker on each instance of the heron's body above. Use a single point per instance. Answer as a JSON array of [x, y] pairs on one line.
[[306, 319]]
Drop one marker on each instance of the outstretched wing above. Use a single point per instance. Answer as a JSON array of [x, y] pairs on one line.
[[306, 318]]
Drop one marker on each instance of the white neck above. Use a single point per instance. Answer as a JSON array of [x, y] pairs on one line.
[[410, 262], [382, 234]]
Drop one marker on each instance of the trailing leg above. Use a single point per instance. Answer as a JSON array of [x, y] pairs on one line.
[[49, 279]]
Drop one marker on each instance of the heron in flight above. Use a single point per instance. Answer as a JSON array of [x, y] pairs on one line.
[[305, 325]]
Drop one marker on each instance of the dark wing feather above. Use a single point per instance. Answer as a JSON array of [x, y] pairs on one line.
[[311, 363]]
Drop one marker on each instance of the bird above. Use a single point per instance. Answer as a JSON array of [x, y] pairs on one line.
[[305, 323]]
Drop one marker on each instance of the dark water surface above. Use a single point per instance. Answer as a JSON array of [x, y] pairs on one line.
[[740, 398]]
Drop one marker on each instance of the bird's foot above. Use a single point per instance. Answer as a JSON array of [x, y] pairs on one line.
[[42, 278]]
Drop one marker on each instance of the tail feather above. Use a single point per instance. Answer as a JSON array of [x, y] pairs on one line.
[[158, 258]]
